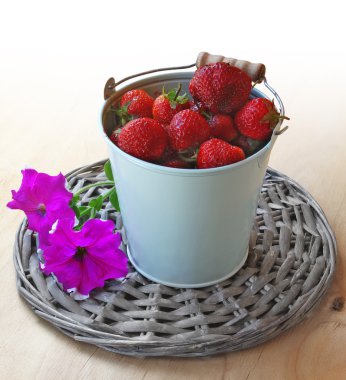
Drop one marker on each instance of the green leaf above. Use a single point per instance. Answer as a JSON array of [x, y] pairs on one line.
[[82, 209], [75, 198], [74, 206], [99, 203], [86, 211], [74, 201], [113, 198], [108, 170], [96, 203], [92, 203], [92, 213], [76, 211]]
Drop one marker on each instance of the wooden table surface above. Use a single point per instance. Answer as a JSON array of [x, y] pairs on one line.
[[54, 62]]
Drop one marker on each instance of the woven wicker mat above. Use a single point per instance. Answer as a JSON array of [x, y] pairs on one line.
[[290, 265]]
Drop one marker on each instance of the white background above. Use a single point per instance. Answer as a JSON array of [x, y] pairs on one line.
[[57, 56]]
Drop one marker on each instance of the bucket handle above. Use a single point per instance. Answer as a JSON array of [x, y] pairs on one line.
[[256, 71], [111, 85]]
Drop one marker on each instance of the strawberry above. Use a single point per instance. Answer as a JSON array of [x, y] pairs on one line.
[[187, 130], [220, 87], [134, 104], [257, 119], [143, 138], [114, 136], [216, 152], [168, 104], [222, 126]]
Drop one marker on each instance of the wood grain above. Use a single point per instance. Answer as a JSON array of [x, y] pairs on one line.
[[52, 78]]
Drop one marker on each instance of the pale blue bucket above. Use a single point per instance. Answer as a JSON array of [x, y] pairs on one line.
[[186, 227]]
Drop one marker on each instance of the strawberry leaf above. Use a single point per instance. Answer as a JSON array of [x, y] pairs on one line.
[[171, 95], [122, 114], [182, 99], [174, 97]]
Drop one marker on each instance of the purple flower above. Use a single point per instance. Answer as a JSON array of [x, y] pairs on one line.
[[83, 260], [43, 198]]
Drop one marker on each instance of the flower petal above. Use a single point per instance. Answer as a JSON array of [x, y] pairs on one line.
[[101, 261], [64, 235], [49, 188], [94, 230], [96, 272], [24, 199], [68, 278], [39, 189]]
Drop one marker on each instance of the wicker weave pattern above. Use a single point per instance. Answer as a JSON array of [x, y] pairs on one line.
[[290, 265]]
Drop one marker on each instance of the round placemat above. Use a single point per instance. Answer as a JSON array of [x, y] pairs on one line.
[[292, 255]]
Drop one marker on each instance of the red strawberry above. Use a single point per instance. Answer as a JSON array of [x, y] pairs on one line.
[[257, 119], [216, 152], [168, 104], [134, 103], [114, 136], [143, 138], [222, 126], [187, 130], [220, 87]]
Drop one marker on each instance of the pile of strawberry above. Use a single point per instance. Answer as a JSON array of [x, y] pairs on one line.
[[221, 125]]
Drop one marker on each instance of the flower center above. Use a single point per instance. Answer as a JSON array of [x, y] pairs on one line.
[[81, 252], [41, 209]]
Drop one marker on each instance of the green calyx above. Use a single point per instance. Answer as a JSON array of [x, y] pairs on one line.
[[189, 155], [273, 116], [122, 114], [174, 97]]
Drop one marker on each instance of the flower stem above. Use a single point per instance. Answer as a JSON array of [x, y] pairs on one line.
[[102, 183], [106, 195]]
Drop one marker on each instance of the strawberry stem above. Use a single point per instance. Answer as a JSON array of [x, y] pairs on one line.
[[178, 92], [206, 114]]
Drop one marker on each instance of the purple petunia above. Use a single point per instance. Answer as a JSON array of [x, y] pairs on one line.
[[43, 198], [83, 260]]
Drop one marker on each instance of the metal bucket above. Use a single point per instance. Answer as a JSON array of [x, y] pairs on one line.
[[186, 227]]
